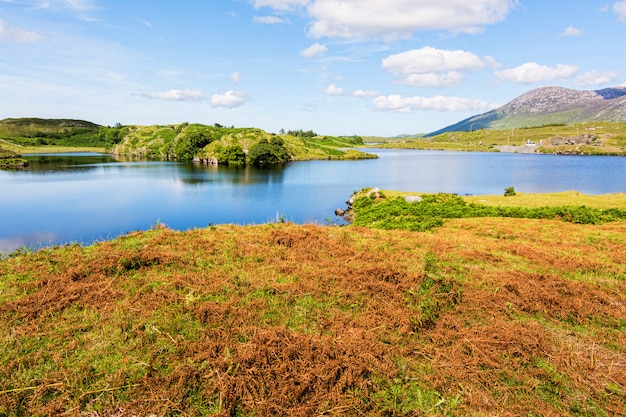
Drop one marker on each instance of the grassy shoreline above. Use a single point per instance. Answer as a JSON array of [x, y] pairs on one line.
[[520, 199], [39, 149], [599, 138], [481, 316]]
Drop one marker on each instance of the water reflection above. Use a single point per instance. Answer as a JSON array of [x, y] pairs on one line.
[[47, 163], [196, 174], [86, 197]]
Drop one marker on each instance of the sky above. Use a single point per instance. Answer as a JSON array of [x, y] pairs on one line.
[[337, 67]]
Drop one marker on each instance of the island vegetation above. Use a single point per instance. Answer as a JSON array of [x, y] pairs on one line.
[[497, 305], [11, 160], [214, 144]]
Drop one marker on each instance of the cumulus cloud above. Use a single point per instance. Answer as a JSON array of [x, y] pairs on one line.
[[620, 8], [395, 19], [572, 31], [270, 20], [432, 67], [230, 99], [17, 35], [594, 77], [400, 104], [333, 90], [314, 50], [532, 72], [280, 4], [365, 93], [176, 95]]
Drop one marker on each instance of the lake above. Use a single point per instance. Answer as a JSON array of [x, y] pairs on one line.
[[63, 198]]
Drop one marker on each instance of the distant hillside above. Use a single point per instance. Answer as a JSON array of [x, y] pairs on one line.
[[29, 126], [60, 132], [549, 105]]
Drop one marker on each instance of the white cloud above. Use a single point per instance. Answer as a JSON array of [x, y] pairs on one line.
[[401, 104], [176, 95], [620, 8], [333, 90], [314, 50], [230, 99], [365, 93], [447, 79], [270, 20], [78, 4], [432, 67], [596, 78], [394, 19], [572, 31], [147, 24], [279, 4], [17, 35], [235, 77], [532, 72]]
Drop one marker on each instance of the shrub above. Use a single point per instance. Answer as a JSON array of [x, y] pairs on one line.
[[231, 155], [434, 208], [509, 191], [268, 152]]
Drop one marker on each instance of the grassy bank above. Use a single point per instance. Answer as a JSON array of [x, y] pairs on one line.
[[480, 316], [25, 150], [372, 208], [600, 138]]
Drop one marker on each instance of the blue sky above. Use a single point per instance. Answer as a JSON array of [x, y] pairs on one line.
[[338, 67]]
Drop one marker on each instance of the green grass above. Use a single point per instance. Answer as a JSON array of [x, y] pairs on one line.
[[433, 209], [610, 139], [307, 320]]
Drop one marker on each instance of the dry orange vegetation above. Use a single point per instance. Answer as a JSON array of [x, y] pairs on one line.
[[483, 316]]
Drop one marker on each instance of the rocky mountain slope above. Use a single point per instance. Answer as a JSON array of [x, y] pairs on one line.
[[549, 105]]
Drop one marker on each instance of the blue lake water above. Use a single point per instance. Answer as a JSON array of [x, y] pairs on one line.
[[87, 197]]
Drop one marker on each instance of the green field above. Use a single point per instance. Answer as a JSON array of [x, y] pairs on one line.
[[600, 138]]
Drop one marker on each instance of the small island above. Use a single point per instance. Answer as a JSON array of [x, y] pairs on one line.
[[11, 160], [185, 142]]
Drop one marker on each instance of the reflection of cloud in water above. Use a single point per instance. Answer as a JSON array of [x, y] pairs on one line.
[[34, 240]]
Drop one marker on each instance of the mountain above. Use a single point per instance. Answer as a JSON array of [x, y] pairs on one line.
[[549, 105]]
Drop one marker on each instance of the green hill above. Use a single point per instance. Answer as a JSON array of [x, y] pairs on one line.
[[183, 142], [50, 132], [592, 138], [229, 145]]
